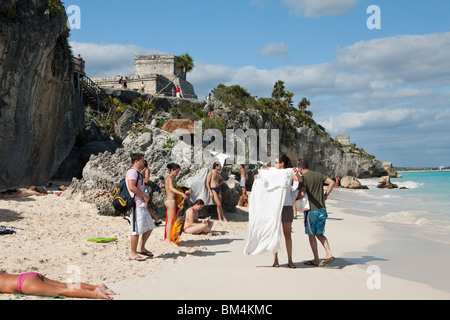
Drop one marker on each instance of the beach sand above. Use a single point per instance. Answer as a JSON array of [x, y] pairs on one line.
[[55, 230]]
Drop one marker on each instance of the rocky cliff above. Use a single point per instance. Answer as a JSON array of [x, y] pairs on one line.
[[302, 141], [40, 114], [104, 171], [300, 138]]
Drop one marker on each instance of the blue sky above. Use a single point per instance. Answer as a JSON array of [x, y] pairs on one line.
[[387, 88]]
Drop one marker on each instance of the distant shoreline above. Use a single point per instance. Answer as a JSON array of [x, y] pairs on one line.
[[421, 169]]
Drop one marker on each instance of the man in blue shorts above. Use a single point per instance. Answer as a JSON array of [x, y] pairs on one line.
[[315, 218]]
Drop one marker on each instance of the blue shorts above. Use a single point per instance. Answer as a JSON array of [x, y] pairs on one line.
[[315, 221]]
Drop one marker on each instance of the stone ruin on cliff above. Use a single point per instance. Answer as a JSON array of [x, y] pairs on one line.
[[158, 74]]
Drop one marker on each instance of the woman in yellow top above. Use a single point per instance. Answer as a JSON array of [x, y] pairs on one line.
[[171, 195]]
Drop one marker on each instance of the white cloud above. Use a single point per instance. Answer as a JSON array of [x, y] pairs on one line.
[[403, 58], [320, 8], [275, 49], [384, 92], [106, 60]]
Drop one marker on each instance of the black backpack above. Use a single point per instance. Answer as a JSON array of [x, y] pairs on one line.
[[123, 201]]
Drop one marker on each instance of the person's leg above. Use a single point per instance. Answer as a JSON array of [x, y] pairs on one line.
[[171, 213], [144, 238], [313, 244], [36, 286], [294, 207], [218, 200], [134, 244], [287, 232], [79, 285], [324, 241], [275, 260], [197, 228], [242, 197]]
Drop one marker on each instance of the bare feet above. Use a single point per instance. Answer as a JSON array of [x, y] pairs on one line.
[[171, 243], [291, 265], [106, 290], [101, 295], [137, 258], [326, 262], [311, 263]]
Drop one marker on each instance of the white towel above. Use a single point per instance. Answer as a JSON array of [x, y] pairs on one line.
[[265, 205]]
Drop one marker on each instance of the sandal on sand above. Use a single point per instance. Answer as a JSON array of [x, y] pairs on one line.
[[326, 262], [291, 265], [147, 253], [138, 259]]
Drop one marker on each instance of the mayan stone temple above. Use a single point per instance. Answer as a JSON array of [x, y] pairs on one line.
[[155, 74]]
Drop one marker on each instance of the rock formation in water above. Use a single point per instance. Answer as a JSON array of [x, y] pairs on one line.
[[40, 113]]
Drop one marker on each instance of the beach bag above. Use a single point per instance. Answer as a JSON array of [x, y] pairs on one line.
[[123, 201], [153, 186], [303, 203]]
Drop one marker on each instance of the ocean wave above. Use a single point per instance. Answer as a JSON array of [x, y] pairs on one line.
[[408, 184], [407, 217], [373, 183]]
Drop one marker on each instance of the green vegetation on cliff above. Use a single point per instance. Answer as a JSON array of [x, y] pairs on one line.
[[230, 102]]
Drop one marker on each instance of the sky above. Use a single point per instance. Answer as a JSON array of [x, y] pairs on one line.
[[379, 74]]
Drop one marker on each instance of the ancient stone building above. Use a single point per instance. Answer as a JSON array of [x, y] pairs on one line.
[[343, 139], [155, 74]]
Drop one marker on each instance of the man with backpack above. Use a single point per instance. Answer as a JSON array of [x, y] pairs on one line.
[[141, 223]]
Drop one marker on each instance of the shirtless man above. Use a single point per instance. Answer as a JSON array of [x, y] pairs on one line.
[[213, 182], [243, 199]]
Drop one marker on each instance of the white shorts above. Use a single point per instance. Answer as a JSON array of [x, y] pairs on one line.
[[242, 184], [144, 221]]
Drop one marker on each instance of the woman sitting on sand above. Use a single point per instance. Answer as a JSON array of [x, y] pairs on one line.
[[193, 225], [170, 201], [33, 283]]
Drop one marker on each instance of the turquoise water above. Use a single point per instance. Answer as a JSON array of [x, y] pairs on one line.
[[422, 209]]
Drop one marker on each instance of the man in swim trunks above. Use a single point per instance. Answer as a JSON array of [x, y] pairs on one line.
[[213, 182], [315, 218], [144, 222], [243, 199]]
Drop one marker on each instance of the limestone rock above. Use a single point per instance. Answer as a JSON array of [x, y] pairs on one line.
[[40, 112], [126, 121], [351, 183], [390, 170], [103, 172], [385, 182]]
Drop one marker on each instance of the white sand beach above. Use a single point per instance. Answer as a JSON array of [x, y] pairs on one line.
[[53, 241]]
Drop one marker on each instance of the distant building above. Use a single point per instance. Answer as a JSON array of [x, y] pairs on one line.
[[155, 74], [343, 139]]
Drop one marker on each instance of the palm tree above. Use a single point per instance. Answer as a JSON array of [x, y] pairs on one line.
[[288, 99], [278, 90], [184, 63], [302, 105]]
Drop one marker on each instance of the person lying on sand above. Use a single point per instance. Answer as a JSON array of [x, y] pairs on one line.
[[21, 193], [33, 283]]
